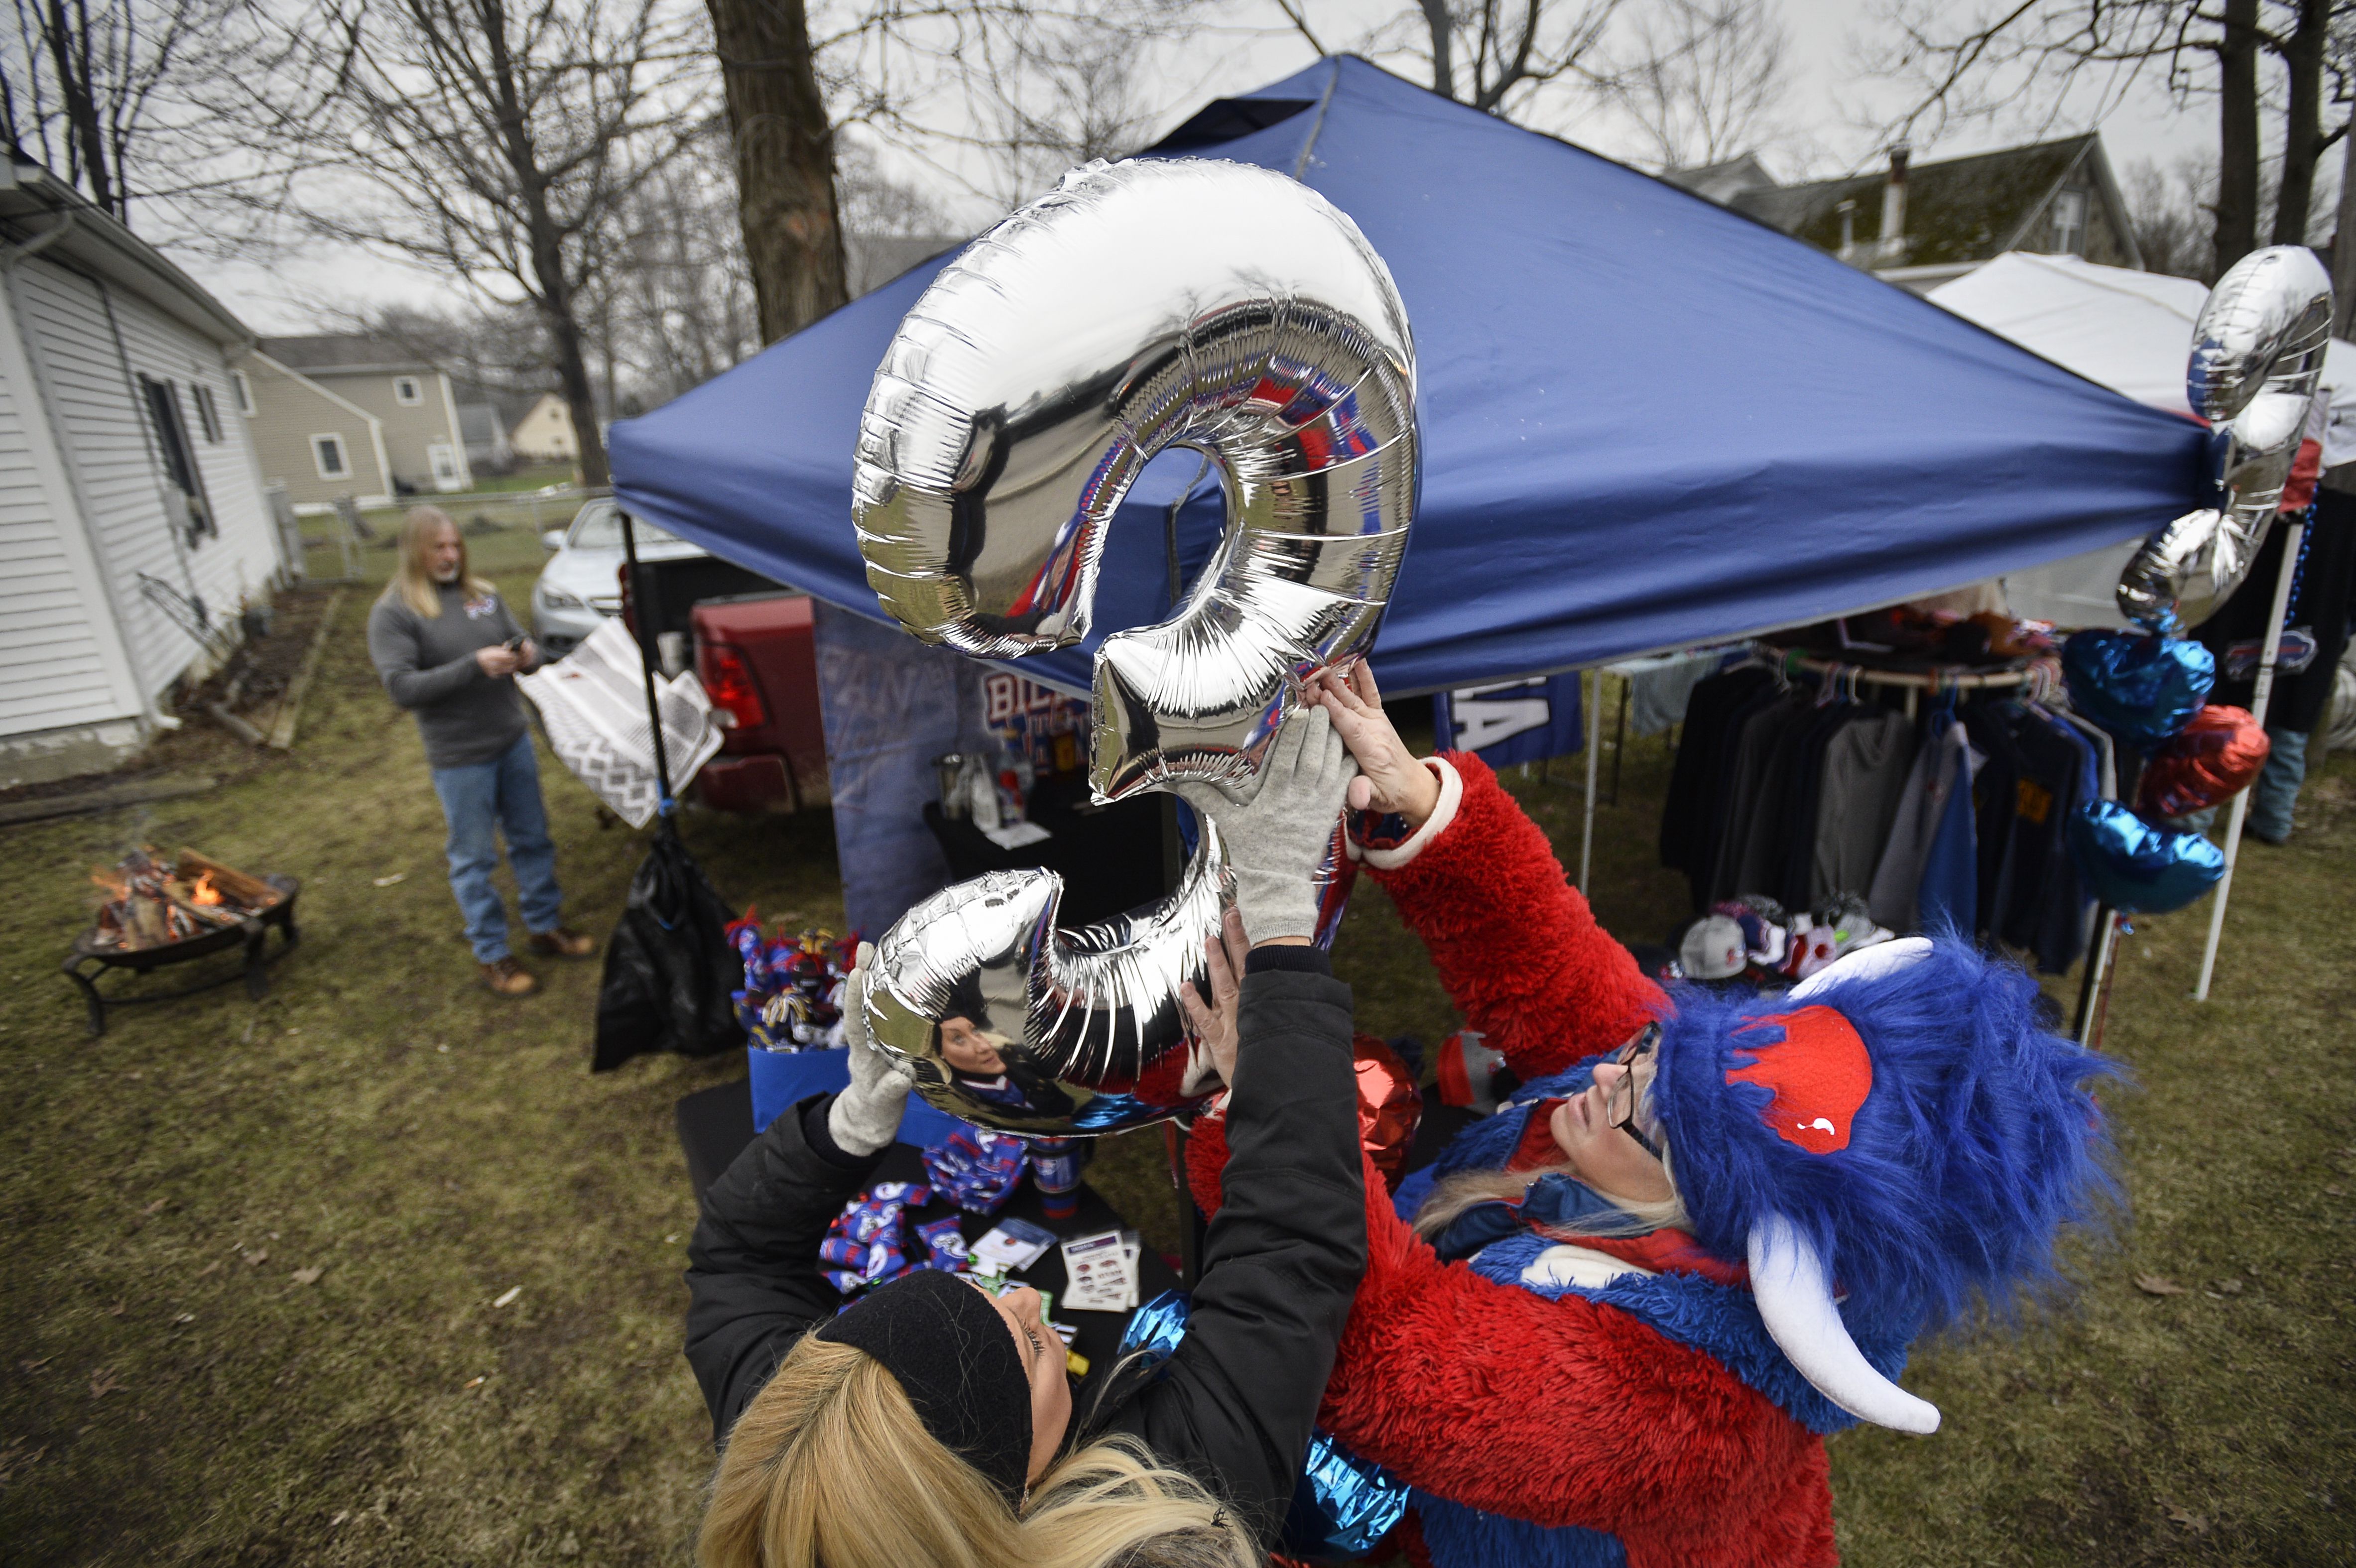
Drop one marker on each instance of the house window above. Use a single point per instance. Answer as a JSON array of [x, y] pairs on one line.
[[207, 416], [244, 391], [180, 460], [327, 452], [407, 391], [2069, 222]]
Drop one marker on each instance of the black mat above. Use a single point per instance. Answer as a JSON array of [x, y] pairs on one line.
[[714, 1125]]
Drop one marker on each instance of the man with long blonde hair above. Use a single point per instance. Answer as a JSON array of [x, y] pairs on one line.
[[448, 650]]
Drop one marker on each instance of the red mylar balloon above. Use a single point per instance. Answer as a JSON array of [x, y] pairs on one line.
[[2207, 760], [1388, 1106]]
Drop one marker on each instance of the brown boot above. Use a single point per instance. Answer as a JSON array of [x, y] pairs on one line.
[[562, 941], [508, 979]]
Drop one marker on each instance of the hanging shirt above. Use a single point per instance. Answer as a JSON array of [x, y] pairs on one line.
[[1689, 816], [1898, 878], [1863, 780], [1949, 895], [2048, 783]]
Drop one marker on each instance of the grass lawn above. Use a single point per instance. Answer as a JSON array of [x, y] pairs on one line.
[[413, 1148]]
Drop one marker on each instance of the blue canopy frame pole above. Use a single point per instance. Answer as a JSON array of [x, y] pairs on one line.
[[2260, 696]]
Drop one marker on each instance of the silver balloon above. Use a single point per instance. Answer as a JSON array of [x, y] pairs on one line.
[[2257, 357], [1141, 306], [1083, 1028]]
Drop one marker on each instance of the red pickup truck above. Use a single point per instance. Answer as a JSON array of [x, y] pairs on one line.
[[751, 642]]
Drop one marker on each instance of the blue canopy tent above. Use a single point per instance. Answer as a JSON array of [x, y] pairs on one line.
[[1647, 421]]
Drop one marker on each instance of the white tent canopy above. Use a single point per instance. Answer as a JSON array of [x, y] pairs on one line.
[[2132, 332]]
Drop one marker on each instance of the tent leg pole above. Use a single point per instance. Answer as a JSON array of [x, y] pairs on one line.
[[2098, 964], [2261, 693], [644, 607], [1619, 734], [1586, 829]]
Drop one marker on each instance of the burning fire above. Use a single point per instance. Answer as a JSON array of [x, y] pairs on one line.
[[146, 901]]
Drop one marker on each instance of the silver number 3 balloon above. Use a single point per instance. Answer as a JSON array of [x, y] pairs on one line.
[[2257, 355], [1141, 306]]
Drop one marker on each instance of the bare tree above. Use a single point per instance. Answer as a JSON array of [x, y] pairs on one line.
[[1017, 84], [1705, 78], [494, 146], [1059, 100], [875, 204], [100, 84], [2172, 214], [676, 305], [785, 160], [2041, 56], [1492, 54]]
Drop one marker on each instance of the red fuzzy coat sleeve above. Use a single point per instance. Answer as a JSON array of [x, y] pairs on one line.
[[1515, 945], [1569, 1413]]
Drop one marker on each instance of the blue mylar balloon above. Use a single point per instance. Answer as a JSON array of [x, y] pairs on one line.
[[2139, 685], [1342, 1506], [2138, 869], [1156, 1327]]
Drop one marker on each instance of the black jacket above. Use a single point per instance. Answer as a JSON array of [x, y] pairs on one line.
[[1233, 1407]]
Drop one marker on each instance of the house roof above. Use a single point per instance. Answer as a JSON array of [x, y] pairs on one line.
[[343, 353], [86, 236], [1962, 209], [1717, 182]]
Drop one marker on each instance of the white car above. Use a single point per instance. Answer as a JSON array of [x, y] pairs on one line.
[[581, 584]]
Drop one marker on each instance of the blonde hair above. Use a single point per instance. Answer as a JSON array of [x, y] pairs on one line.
[[413, 584], [831, 1467]]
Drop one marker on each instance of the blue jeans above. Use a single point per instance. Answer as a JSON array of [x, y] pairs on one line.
[[503, 793], [2272, 796]]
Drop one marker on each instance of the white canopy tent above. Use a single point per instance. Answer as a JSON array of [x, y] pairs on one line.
[[2132, 332]]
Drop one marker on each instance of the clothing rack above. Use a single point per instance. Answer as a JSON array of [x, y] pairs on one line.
[[2041, 675]]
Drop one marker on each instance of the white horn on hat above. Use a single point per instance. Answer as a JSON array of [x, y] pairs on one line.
[[1864, 964], [1796, 1300]]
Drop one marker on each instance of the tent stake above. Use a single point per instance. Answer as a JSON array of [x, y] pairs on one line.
[[2260, 694]]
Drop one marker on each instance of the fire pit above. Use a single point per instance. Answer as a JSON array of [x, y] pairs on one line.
[[173, 913]]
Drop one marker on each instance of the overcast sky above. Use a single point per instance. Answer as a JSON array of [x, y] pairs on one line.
[[1827, 101]]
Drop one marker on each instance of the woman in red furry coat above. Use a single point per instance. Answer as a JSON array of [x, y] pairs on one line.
[[1562, 1354]]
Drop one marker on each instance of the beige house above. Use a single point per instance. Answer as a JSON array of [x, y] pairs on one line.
[[344, 415], [317, 444], [545, 434]]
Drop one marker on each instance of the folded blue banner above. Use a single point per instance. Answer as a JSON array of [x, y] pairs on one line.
[[1517, 721]]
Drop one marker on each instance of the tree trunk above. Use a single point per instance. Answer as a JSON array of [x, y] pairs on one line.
[[2343, 247], [1444, 68], [81, 105], [2237, 135], [2302, 58], [785, 161]]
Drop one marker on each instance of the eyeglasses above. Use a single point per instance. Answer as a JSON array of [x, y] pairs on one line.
[[1620, 1104]]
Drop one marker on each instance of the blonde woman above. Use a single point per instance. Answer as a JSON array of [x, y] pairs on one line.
[[447, 650], [932, 1423]]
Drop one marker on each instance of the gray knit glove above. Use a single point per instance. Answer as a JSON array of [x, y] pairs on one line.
[[865, 1115], [1277, 826]]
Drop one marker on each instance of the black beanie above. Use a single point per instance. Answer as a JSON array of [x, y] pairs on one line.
[[952, 1355]]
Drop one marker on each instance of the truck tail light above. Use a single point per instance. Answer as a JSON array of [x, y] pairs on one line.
[[728, 681]]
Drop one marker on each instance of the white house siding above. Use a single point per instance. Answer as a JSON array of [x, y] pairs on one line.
[[53, 670], [101, 422]]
